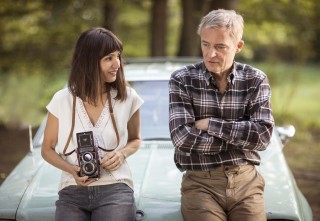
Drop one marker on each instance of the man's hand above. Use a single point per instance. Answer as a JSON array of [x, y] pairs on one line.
[[202, 124]]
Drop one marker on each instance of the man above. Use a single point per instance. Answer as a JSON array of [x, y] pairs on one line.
[[220, 117]]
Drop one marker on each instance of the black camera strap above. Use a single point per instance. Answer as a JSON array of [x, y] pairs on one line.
[[73, 122]]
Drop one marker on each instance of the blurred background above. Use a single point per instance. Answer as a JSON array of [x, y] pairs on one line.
[[281, 38]]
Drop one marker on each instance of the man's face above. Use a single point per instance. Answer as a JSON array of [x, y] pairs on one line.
[[218, 49]]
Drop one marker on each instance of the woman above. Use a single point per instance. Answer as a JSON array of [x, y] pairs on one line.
[[83, 108]]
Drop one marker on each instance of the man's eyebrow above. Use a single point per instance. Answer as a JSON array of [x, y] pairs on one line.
[[221, 44]]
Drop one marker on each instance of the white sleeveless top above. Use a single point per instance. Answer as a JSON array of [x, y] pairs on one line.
[[103, 132]]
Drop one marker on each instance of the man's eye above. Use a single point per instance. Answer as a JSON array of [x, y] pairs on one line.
[[221, 47], [205, 45]]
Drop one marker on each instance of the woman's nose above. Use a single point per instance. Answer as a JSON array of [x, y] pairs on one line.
[[116, 63]]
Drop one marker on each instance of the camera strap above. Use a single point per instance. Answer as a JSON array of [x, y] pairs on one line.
[[72, 127], [73, 122], [113, 122]]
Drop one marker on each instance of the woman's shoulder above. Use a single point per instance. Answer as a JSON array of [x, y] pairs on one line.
[[131, 91], [62, 94], [60, 100]]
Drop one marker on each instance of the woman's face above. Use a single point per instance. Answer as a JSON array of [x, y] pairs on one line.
[[109, 66]]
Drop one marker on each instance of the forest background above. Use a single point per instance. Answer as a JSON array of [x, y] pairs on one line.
[[281, 38]]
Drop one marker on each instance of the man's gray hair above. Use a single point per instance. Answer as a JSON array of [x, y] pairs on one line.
[[222, 18]]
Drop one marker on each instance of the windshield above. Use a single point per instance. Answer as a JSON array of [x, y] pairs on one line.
[[155, 110], [155, 113]]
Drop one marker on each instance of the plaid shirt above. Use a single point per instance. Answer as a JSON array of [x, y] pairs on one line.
[[240, 124]]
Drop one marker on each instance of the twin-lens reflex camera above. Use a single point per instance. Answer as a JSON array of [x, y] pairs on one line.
[[87, 154]]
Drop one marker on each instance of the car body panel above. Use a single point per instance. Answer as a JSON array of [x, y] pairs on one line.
[[156, 182], [30, 191], [16, 184], [280, 197]]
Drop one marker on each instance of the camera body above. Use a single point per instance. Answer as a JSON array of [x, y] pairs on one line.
[[87, 154]]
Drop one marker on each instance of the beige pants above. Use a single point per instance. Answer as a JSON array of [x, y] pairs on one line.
[[233, 193]]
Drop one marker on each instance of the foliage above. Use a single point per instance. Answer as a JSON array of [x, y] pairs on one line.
[[40, 34], [284, 29], [38, 37], [24, 98], [134, 31]]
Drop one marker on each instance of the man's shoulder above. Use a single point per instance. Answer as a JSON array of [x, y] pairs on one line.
[[187, 70], [248, 71]]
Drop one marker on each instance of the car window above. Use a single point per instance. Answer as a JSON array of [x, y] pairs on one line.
[[155, 110]]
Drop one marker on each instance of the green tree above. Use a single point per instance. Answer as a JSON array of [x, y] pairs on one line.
[[279, 29], [39, 34]]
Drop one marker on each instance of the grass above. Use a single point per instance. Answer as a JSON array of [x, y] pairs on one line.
[[295, 90]]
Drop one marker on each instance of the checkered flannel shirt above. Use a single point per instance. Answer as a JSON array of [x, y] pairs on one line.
[[240, 124]]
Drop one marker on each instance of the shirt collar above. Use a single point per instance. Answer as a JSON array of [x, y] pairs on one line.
[[210, 78]]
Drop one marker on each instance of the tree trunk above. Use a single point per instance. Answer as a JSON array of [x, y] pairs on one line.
[[192, 12], [222, 4], [316, 42], [188, 45], [158, 28], [110, 13]]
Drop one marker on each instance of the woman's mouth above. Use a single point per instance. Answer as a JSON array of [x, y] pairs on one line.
[[113, 72]]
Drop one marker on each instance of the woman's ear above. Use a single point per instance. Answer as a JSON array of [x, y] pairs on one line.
[[239, 46]]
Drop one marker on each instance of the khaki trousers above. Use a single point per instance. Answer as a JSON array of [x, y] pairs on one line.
[[226, 193]]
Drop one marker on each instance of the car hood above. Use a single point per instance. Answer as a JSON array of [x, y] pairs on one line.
[[156, 181], [283, 199], [156, 184], [29, 193]]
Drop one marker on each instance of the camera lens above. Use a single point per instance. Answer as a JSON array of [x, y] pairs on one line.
[[87, 157], [89, 168]]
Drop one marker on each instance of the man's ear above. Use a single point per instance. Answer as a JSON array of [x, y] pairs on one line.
[[239, 46]]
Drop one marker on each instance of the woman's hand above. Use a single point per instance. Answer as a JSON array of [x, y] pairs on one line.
[[113, 160], [80, 180]]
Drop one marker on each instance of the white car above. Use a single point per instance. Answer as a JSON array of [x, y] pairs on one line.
[[30, 191]]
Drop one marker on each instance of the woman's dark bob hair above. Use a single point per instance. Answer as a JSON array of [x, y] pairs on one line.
[[85, 74]]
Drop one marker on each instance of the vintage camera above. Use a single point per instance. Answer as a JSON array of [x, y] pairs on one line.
[[88, 157]]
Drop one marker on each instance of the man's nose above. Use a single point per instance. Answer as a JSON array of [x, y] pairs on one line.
[[212, 52]]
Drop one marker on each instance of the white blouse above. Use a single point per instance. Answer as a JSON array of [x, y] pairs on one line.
[[103, 132]]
